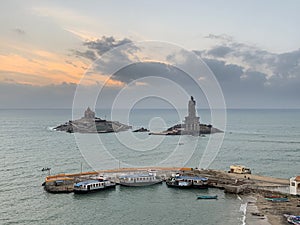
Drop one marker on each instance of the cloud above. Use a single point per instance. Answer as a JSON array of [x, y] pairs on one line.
[[288, 65], [71, 63], [222, 37], [100, 46], [252, 77], [151, 69], [40, 68], [275, 66], [249, 76], [113, 60], [105, 44], [88, 54], [225, 73], [219, 51], [61, 95], [19, 31], [14, 95]]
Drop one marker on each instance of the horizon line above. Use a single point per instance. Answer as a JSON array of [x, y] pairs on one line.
[[70, 108]]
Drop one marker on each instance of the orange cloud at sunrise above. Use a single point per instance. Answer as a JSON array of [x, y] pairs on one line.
[[39, 68], [46, 68]]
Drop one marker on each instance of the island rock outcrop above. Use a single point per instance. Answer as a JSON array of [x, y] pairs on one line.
[[89, 123], [191, 125]]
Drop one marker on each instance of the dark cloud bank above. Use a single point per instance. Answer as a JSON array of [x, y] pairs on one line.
[[27, 96], [249, 77]]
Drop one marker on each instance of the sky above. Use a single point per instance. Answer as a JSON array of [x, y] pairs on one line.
[[49, 48]]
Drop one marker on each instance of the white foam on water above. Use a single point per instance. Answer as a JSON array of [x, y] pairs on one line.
[[243, 210], [51, 128], [239, 198]]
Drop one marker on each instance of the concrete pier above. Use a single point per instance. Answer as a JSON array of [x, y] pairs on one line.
[[231, 183]]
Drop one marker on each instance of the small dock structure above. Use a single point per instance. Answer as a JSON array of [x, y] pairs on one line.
[[295, 185]]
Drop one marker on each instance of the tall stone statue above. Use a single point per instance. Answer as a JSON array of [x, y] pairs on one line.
[[192, 107], [192, 124]]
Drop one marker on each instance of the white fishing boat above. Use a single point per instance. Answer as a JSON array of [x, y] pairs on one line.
[[137, 180]]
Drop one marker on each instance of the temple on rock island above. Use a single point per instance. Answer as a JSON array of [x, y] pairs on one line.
[[89, 114], [89, 123]]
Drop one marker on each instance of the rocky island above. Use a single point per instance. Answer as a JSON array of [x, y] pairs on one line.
[[191, 125], [142, 129], [89, 123]]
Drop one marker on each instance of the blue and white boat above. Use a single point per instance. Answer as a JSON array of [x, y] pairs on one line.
[[292, 219], [277, 199], [138, 180], [93, 185], [188, 182]]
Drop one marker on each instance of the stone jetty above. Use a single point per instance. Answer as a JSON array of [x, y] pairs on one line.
[[230, 182]]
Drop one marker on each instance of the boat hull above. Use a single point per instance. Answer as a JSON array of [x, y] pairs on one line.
[[277, 199], [188, 186], [200, 186], [85, 191], [139, 184], [174, 185]]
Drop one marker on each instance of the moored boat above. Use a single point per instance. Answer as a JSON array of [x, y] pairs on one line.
[[179, 184], [138, 180], [292, 219], [188, 182], [207, 197], [277, 199], [93, 185]]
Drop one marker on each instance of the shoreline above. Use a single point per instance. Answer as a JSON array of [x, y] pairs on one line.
[[253, 215], [266, 212], [250, 189]]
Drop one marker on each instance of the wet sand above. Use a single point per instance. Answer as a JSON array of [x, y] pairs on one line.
[[275, 210], [271, 212], [252, 208]]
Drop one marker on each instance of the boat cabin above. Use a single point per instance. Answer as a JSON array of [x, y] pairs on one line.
[[239, 169], [187, 182], [295, 185], [193, 180], [135, 178], [92, 185], [89, 184]]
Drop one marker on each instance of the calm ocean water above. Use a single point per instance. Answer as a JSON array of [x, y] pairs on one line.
[[265, 140]]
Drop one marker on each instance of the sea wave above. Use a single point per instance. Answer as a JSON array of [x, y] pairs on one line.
[[51, 128]]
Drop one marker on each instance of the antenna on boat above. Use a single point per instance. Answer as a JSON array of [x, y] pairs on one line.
[[81, 167]]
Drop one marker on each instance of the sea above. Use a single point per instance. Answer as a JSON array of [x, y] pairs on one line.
[[266, 140]]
